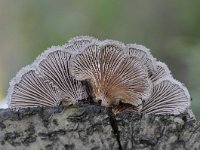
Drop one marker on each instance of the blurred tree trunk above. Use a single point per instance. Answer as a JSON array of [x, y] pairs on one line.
[[94, 127]]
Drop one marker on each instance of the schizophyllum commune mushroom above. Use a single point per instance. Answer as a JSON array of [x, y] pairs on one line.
[[125, 77]]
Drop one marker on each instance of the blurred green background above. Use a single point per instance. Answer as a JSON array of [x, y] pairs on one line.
[[171, 29]]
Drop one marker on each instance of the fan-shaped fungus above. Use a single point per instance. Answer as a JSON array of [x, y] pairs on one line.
[[168, 97], [55, 68], [124, 77], [113, 76], [28, 89]]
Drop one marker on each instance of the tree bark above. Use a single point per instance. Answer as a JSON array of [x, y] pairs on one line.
[[93, 127]]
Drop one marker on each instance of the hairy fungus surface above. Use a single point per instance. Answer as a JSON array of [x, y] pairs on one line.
[[77, 44], [124, 77]]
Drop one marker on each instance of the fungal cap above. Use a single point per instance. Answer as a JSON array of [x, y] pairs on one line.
[[28, 89], [51, 69], [144, 54], [15, 81], [55, 67], [82, 38], [162, 71], [112, 43], [45, 54], [77, 44], [112, 76], [28, 68], [169, 97]]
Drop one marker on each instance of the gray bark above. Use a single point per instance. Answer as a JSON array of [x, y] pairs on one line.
[[94, 127]]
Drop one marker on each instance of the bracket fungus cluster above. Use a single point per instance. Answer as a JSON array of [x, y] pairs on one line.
[[123, 77]]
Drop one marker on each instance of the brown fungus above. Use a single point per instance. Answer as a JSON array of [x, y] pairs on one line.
[[113, 76]]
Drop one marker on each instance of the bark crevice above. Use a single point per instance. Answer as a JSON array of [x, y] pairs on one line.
[[114, 125]]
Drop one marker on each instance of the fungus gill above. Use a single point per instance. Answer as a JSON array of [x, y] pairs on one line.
[[113, 76], [123, 77], [29, 89], [168, 96], [55, 67], [143, 54]]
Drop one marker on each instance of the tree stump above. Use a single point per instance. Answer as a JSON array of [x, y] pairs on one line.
[[92, 127]]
